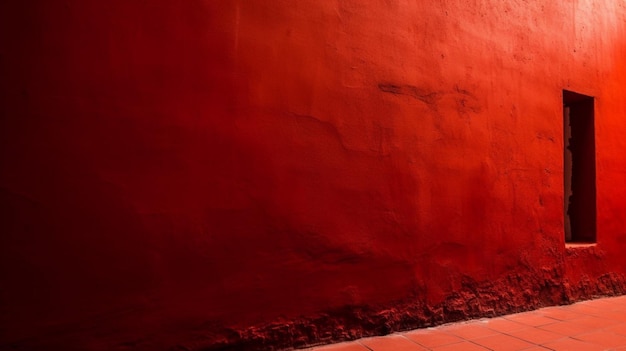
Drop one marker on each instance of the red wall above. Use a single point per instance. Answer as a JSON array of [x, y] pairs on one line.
[[251, 174]]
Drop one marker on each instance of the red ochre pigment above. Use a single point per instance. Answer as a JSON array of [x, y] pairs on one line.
[[255, 174]]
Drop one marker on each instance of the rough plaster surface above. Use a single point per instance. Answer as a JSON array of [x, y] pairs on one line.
[[204, 175]]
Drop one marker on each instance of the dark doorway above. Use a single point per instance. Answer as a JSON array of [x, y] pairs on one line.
[[579, 172]]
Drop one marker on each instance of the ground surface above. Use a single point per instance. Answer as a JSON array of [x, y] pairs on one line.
[[590, 325]]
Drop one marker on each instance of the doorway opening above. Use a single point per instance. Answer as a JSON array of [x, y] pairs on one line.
[[579, 156]]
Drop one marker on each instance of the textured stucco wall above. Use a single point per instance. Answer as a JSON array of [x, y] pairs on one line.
[[261, 174]]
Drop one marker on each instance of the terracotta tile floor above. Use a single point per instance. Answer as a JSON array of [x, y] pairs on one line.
[[589, 325]]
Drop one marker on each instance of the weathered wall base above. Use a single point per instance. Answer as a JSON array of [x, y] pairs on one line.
[[515, 293]]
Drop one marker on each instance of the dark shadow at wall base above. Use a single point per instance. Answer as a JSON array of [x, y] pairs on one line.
[[515, 293]]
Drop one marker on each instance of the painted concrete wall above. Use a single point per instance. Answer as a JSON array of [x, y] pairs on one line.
[[257, 174]]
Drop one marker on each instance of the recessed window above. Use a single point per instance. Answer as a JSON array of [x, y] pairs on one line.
[[579, 151]]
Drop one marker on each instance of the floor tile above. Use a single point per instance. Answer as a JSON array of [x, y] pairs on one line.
[[503, 325], [584, 309], [391, 343], [462, 346], [432, 338], [609, 302], [502, 342], [568, 344], [566, 328], [533, 320], [536, 335], [595, 322], [619, 316], [469, 331], [560, 313], [618, 329], [603, 338]]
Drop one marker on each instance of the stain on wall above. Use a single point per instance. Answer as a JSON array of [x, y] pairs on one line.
[[206, 175]]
